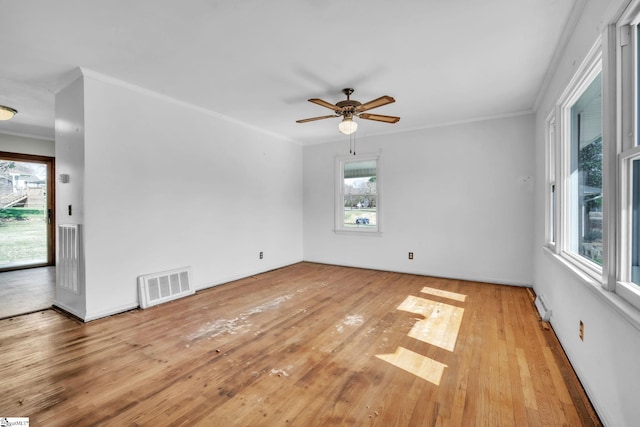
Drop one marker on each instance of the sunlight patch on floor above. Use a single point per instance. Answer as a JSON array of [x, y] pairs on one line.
[[440, 327], [441, 324], [416, 364], [445, 294]]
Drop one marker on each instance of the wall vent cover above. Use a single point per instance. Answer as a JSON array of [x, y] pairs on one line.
[[543, 307], [68, 267], [165, 286]]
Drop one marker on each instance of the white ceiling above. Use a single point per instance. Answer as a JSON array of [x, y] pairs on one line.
[[258, 62]]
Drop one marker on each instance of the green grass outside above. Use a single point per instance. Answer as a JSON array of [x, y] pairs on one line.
[[350, 216], [23, 236]]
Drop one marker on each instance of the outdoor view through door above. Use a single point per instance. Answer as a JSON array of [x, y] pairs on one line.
[[26, 211]]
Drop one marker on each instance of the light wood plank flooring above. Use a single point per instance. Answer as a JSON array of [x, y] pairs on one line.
[[306, 345], [24, 291]]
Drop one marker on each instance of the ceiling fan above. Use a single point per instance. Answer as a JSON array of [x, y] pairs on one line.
[[350, 108]]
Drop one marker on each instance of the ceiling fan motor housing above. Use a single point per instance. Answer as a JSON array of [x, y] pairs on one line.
[[348, 106]]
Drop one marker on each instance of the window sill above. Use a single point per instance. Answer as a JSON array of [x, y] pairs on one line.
[[358, 232], [619, 305]]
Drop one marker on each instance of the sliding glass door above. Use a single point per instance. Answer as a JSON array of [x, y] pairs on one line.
[[26, 211]]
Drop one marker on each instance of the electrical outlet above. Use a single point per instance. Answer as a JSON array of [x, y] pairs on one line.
[[410, 255], [581, 331], [261, 255]]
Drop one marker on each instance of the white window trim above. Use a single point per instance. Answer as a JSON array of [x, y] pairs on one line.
[[588, 70], [618, 51], [630, 292], [615, 300], [609, 158], [339, 189], [626, 172], [626, 48], [552, 215], [623, 286]]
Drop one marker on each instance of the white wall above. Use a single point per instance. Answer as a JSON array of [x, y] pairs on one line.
[[69, 151], [169, 185], [25, 145], [607, 360], [453, 195]]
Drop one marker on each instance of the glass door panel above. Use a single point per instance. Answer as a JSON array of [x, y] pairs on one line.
[[26, 223]]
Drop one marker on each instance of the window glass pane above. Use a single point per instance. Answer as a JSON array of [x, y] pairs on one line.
[[23, 213], [552, 215], [360, 197], [635, 223], [585, 190], [551, 177]]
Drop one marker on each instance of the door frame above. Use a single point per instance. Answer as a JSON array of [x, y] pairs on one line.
[[51, 203]]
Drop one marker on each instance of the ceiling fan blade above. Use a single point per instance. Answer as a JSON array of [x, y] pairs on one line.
[[325, 104], [316, 118], [379, 118], [378, 102]]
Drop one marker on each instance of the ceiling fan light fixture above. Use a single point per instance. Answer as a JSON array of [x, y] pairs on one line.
[[350, 108], [7, 113], [348, 126]]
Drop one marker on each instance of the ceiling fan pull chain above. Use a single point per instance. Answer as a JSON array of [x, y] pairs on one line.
[[354, 143]]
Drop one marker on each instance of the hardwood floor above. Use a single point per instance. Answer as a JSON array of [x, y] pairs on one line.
[[24, 291], [305, 345]]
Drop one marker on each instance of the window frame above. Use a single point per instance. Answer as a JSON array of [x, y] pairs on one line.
[[628, 146], [339, 227], [618, 52], [584, 76], [551, 187], [624, 286]]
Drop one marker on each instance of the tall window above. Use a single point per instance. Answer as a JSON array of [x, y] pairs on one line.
[[585, 174], [628, 48], [632, 169], [594, 181], [358, 194], [575, 202], [551, 190]]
